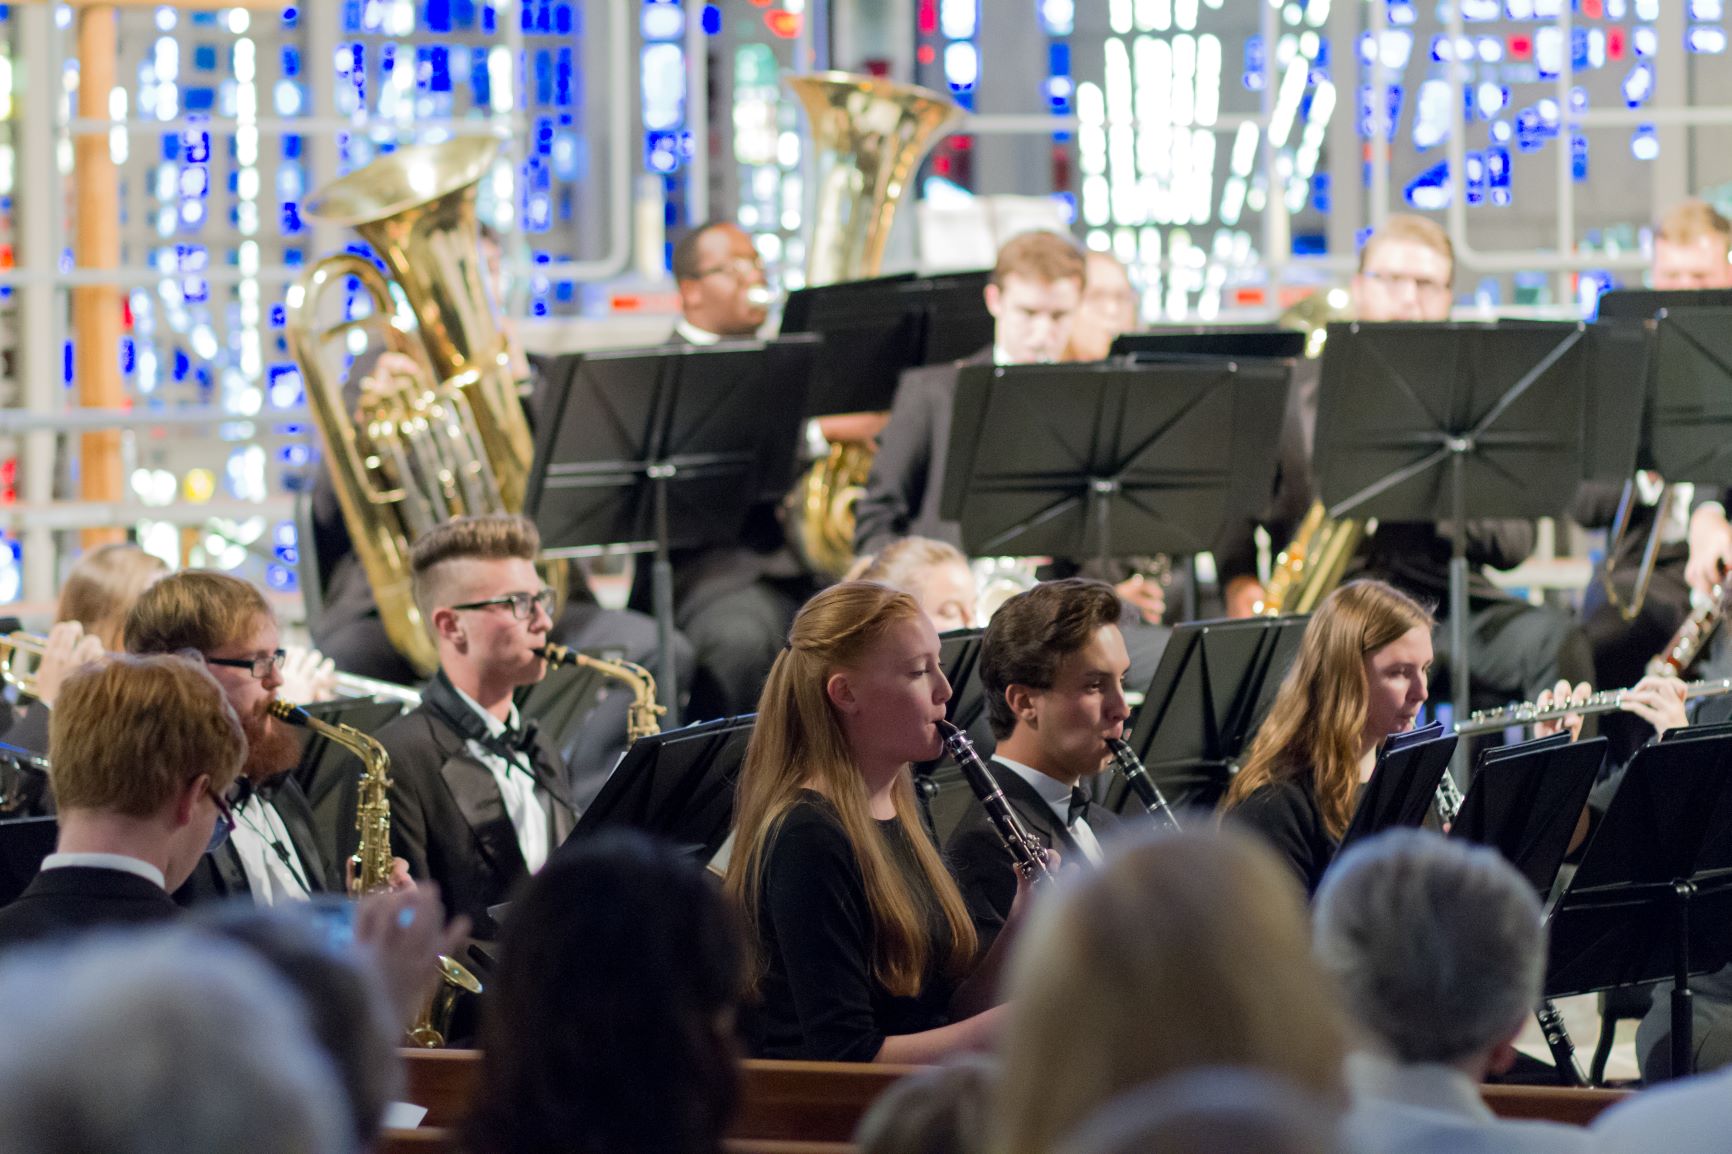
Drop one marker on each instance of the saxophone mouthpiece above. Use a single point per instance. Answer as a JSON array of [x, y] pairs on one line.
[[555, 655], [290, 712]]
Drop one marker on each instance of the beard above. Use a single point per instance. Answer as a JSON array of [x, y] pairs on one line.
[[272, 747]]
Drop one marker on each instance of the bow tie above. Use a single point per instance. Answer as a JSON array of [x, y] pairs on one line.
[[245, 789], [1079, 805]]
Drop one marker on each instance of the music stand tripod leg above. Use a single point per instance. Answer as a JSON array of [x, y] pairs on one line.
[[1683, 1023], [662, 601]]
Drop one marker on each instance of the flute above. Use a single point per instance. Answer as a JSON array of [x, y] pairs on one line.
[[1028, 854], [1490, 720]]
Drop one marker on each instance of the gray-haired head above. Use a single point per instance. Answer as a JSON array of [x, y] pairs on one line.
[[159, 1043], [1215, 1110], [1438, 947]]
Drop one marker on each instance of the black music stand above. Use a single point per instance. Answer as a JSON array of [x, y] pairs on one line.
[[677, 784], [1652, 898], [1101, 459], [954, 316], [1212, 341], [24, 842], [653, 450], [1213, 686], [1525, 801], [1404, 783], [1690, 422], [1442, 423]]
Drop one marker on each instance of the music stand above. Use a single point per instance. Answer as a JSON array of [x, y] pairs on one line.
[[1404, 783], [1691, 407], [678, 785], [1652, 897], [1525, 801], [653, 450], [1099, 459], [954, 320], [1213, 686], [1212, 341], [24, 842], [1441, 423]]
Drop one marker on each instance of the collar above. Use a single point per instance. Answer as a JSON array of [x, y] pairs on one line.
[[1052, 791], [495, 727], [107, 861], [696, 335], [1000, 357], [1425, 1086]]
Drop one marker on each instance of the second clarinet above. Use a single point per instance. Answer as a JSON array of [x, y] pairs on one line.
[[1030, 856], [1129, 766]]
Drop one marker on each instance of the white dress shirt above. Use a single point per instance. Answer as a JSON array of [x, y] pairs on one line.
[[1682, 1117], [258, 836], [516, 783], [694, 335], [1057, 795], [1433, 1109], [106, 861]]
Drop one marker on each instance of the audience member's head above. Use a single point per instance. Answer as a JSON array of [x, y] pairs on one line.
[[165, 1043], [1211, 1112], [311, 950], [721, 280], [610, 1022], [1033, 297], [228, 622], [1438, 948], [946, 1109], [1182, 951], [1406, 272], [1693, 248], [475, 582], [102, 588], [1108, 309], [143, 748], [934, 573]]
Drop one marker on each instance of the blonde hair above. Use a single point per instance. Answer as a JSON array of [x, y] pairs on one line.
[[1418, 229], [103, 587], [1692, 221], [1183, 950], [194, 609], [1040, 256], [496, 537], [1317, 723], [129, 733], [798, 744], [901, 562]]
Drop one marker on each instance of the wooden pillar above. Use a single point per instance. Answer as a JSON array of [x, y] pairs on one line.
[[96, 309]]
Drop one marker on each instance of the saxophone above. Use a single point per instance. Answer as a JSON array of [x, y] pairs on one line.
[[643, 718], [369, 870]]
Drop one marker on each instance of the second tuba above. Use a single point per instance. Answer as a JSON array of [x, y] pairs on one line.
[[411, 452]]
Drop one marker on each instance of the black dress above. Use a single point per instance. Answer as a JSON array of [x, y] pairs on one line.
[[1286, 816], [819, 1000]]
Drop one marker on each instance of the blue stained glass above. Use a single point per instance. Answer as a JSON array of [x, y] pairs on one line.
[[711, 21], [204, 19], [291, 217], [1058, 58], [182, 365], [171, 146], [463, 14], [1580, 60], [291, 60], [481, 80], [279, 316], [291, 146], [1475, 179], [291, 17], [198, 99], [197, 147], [67, 363], [489, 18], [562, 20], [438, 15], [1578, 158], [294, 256], [128, 355], [204, 58]]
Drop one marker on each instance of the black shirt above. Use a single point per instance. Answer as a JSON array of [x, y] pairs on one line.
[[819, 1000], [1286, 816]]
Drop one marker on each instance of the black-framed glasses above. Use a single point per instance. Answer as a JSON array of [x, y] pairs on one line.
[[1421, 286], [523, 605], [225, 820], [259, 667]]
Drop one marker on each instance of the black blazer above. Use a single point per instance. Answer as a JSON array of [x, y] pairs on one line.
[[61, 902], [983, 866], [220, 875], [907, 478], [448, 820], [1285, 814]]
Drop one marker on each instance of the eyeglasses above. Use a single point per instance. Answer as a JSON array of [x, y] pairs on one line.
[[523, 605], [1421, 286], [225, 820], [740, 266], [259, 667]]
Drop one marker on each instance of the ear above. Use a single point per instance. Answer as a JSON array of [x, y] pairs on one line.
[[186, 801], [1503, 1058], [691, 294], [841, 693], [1023, 705], [994, 301], [448, 627]]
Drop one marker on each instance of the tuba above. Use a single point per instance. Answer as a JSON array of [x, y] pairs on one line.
[[447, 441], [868, 136]]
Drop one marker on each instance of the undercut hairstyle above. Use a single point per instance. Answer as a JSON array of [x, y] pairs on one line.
[[496, 537], [1418, 229], [1437, 947], [103, 587], [1693, 221], [129, 734], [1040, 256], [1031, 635], [686, 257], [194, 609]]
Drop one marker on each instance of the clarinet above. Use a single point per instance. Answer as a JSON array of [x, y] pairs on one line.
[[1129, 766], [1028, 854]]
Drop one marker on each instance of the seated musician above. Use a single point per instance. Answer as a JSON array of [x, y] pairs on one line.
[[1052, 664], [934, 573], [721, 283], [476, 804], [1108, 309], [857, 938], [274, 854], [144, 748]]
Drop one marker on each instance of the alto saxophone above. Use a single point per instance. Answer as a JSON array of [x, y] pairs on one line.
[[369, 870], [643, 718]]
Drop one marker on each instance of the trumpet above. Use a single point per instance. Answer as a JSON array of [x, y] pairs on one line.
[[644, 716], [1606, 701], [1028, 854], [1129, 766], [11, 646]]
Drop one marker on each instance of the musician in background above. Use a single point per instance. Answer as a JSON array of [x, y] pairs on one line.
[[1052, 664], [857, 938], [144, 749], [721, 283], [1108, 309], [934, 573], [476, 798], [273, 855]]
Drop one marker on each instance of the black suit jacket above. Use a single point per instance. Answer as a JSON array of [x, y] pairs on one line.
[[220, 875], [907, 478], [61, 902], [448, 819], [983, 866]]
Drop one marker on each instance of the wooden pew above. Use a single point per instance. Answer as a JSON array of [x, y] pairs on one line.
[[1574, 1107], [441, 1141]]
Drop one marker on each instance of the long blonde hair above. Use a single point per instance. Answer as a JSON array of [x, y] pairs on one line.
[[102, 588], [1317, 723], [798, 744], [1184, 950]]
